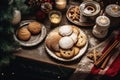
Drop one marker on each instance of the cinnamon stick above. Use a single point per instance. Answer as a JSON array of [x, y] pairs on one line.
[[104, 55], [105, 61], [94, 55]]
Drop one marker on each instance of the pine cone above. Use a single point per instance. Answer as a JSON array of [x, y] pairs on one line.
[[35, 3]]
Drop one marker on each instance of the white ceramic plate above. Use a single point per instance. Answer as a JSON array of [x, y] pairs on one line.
[[35, 39], [81, 52]]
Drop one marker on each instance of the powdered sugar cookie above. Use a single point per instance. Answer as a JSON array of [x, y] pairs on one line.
[[74, 37], [66, 42], [65, 30]]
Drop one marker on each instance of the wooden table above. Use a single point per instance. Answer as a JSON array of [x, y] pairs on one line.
[[39, 54]]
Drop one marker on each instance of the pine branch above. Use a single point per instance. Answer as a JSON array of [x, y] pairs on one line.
[[22, 6]]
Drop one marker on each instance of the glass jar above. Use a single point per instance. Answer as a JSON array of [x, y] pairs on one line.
[[55, 17]]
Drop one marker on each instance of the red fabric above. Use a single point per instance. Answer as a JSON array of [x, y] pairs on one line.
[[114, 68], [95, 70]]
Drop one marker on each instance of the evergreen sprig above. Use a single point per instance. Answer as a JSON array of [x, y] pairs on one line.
[[21, 5], [7, 43]]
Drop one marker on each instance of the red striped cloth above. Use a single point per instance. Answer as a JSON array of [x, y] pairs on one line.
[[110, 70], [113, 67]]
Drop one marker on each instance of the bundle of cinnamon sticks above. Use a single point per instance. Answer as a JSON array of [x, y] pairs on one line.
[[104, 58]]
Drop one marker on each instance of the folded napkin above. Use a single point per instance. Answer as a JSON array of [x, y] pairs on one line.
[[86, 67]]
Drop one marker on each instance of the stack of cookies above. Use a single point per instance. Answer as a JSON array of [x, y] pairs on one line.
[[25, 33], [66, 41]]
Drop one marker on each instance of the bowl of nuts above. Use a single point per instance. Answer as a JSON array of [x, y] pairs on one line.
[[73, 15]]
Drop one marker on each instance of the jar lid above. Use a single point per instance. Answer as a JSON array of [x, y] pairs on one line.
[[113, 10], [89, 8], [103, 21]]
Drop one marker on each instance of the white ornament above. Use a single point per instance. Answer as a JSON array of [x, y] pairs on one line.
[[16, 17]]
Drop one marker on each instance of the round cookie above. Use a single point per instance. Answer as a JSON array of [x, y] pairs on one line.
[[58, 54], [34, 27], [66, 42], [67, 53], [65, 30], [52, 41], [23, 34], [76, 30], [76, 49], [82, 39]]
